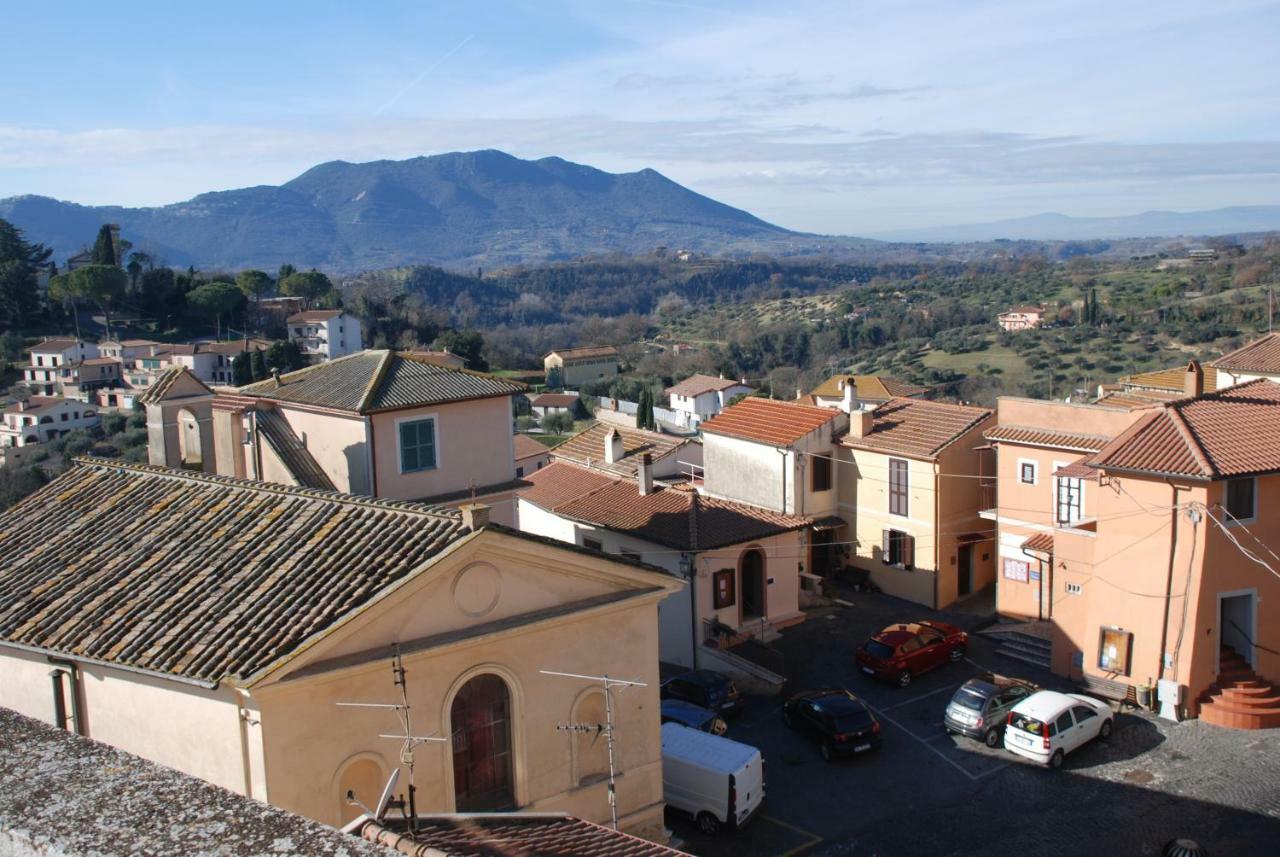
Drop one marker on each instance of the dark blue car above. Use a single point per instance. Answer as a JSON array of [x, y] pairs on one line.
[[693, 716], [706, 688]]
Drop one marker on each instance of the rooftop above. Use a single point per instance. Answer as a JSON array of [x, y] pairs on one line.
[[56, 345], [167, 381], [867, 387], [554, 400], [196, 576], [1137, 399], [683, 520], [769, 421], [314, 315], [1036, 436], [1024, 310], [99, 361], [1232, 432], [916, 427], [505, 834], [380, 380], [1169, 380], [696, 385], [585, 351], [587, 447], [1261, 355], [527, 447], [34, 405]]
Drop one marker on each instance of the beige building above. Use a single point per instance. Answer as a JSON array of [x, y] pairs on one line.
[[214, 625], [1021, 318], [910, 470], [859, 392], [1258, 359], [40, 419], [618, 449], [577, 366]]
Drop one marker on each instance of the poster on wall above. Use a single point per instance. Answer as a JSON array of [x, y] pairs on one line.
[[1016, 569]]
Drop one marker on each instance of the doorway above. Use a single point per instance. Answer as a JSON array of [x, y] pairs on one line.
[[1237, 619], [753, 596], [964, 570]]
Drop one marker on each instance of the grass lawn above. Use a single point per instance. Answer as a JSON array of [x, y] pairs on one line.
[[1013, 367]]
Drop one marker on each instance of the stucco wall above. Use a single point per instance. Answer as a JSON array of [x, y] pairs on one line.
[[869, 491], [474, 447], [337, 443]]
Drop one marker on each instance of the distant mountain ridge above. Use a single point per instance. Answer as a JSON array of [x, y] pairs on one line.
[[1052, 226], [462, 208]]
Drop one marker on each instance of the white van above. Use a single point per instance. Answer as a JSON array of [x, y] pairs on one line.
[[1048, 725], [717, 781]]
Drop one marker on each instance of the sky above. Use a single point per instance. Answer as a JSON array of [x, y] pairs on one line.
[[832, 117]]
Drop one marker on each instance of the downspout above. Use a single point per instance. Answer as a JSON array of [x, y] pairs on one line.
[[692, 560], [937, 529], [783, 452], [1168, 586], [68, 668], [373, 456]]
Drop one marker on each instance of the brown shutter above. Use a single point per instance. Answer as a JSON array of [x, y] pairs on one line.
[[886, 545], [908, 551]]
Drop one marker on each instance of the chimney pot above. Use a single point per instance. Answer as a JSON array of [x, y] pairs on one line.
[[1193, 382], [644, 474], [275, 376], [475, 516], [613, 449]]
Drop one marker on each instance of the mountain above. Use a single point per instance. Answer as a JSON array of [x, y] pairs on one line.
[[1061, 227], [458, 209]]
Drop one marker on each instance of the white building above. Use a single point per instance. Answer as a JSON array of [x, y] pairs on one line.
[[44, 374], [41, 419], [325, 334], [701, 397]]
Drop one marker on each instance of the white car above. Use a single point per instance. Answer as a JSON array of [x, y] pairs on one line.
[[1048, 725]]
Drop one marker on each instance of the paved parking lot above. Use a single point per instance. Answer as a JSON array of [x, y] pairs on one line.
[[927, 792]]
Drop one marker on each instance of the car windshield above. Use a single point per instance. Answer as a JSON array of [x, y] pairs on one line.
[[1027, 724], [852, 721], [877, 649], [966, 698]]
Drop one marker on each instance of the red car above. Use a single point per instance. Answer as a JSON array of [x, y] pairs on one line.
[[899, 653]]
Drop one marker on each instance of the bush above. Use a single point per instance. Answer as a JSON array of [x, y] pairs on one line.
[[113, 423], [137, 420], [561, 423]]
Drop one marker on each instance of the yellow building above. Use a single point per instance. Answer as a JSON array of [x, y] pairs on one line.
[[577, 366]]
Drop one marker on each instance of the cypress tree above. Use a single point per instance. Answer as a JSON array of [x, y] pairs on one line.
[[258, 365], [104, 249]]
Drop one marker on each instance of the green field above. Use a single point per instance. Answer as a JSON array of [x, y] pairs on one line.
[[1012, 366]]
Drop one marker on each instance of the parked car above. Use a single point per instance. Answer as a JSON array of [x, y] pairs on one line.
[[707, 688], [1048, 725], [901, 652], [717, 781], [836, 719], [693, 716], [980, 708]]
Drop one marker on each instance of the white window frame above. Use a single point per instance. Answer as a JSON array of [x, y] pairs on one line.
[[435, 440], [1058, 465], [1035, 471]]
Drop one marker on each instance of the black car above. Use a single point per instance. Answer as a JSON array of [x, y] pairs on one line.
[[693, 716], [981, 706], [707, 688], [836, 719]]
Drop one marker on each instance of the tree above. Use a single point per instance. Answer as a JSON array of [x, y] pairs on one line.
[[241, 370], [286, 270], [467, 344], [554, 378], [219, 299], [258, 365], [19, 262], [103, 285], [104, 248], [134, 269], [311, 285], [644, 414], [285, 356], [254, 284]]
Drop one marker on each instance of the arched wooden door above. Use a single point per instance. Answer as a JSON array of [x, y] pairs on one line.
[[480, 717]]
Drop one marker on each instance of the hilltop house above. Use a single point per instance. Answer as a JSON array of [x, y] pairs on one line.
[[325, 334], [910, 469], [577, 366], [1021, 318], [48, 358], [1258, 359], [701, 397], [40, 419], [214, 624], [858, 392]]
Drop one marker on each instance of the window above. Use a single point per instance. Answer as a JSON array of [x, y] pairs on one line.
[[723, 594], [629, 554], [820, 479], [1114, 646], [1083, 713], [897, 486], [417, 445], [898, 548], [1027, 472], [1241, 497], [1075, 589], [519, 472], [1063, 722], [911, 644], [64, 416], [480, 718], [1070, 501], [593, 544]]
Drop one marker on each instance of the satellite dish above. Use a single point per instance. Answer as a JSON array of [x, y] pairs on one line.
[[385, 800]]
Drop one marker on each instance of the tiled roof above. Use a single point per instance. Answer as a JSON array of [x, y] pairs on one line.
[[867, 387], [1040, 543], [1233, 432], [696, 385], [1078, 469], [584, 352], [1135, 400], [513, 834], [137, 343], [99, 361], [300, 463], [1261, 355], [684, 520], [380, 380], [1170, 380], [527, 447], [769, 421], [197, 576], [34, 405], [53, 345], [1024, 310], [164, 383], [917, 428], [314, 315], [1032, 436], [554, 400], [587, 447]]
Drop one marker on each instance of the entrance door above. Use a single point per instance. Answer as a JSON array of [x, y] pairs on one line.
[[964, 572], [1237, 623], [753, 605]]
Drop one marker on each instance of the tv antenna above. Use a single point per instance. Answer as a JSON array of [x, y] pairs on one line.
[[605, 728], [408, 743]]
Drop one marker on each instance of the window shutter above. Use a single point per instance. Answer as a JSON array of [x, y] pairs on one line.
[[908, 551], [886, 546]]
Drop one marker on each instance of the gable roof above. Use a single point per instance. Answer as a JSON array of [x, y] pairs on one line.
[[36, 404], [1169, 380], [769, 421], [527, 447], [1024, 310], [1035, 436], [683, 520], [380, 380], [58, 345], [198, 577], [602, 351], [516, 834], [172, 380], [554, 400], [1233, 432], [313, 315], [917, 428], [867, 387], [1261, 355], [696, 385], [587, 447]]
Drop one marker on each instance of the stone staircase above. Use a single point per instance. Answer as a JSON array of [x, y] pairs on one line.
[[1022, 643], [1240, 699]]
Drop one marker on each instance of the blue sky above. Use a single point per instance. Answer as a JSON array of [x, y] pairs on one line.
[[836, 117]]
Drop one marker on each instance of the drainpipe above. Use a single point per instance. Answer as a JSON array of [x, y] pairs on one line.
[[691, 561], [937, 528], [783, 453], [373, 456], [1168, 586], [69, 669]]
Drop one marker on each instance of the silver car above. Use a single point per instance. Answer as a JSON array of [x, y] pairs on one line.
[[980, 708]]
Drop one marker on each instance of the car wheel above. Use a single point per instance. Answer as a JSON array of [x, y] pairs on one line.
[[992, 738], [788, 720], [826, 752], [957, 654], [904, 678], [1105, 731], [708, 823], [1055, 761]]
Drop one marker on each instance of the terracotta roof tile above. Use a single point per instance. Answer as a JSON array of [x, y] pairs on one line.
[[1040, 543], [769, 421], [868, 388], [527, 447], [1078, 469], [198, 576], [53, 345], [1169, 380], [1261, 355], [585, 352], [1137, 399], [917, 428], [313, 315], [559, 482], [1032, 436], [1232, 432], [696, 385], [522, 834], [554, 400], [164, 383], [587, 447]]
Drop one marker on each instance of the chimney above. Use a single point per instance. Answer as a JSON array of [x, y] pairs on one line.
[[799, 394], [860, 422], [275, 376], [847, 402], [475, 516], [1193, 381], [613, 451], [644, 474]]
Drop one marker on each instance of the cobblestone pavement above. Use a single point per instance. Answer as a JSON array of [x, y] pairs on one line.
[[926, 792]]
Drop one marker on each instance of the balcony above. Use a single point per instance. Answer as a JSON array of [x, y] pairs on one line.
[[987, 499]]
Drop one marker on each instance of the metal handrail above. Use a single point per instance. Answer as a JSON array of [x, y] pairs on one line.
[[1250, 639]]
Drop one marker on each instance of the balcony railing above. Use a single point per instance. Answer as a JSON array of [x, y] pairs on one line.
[[987, 499]]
